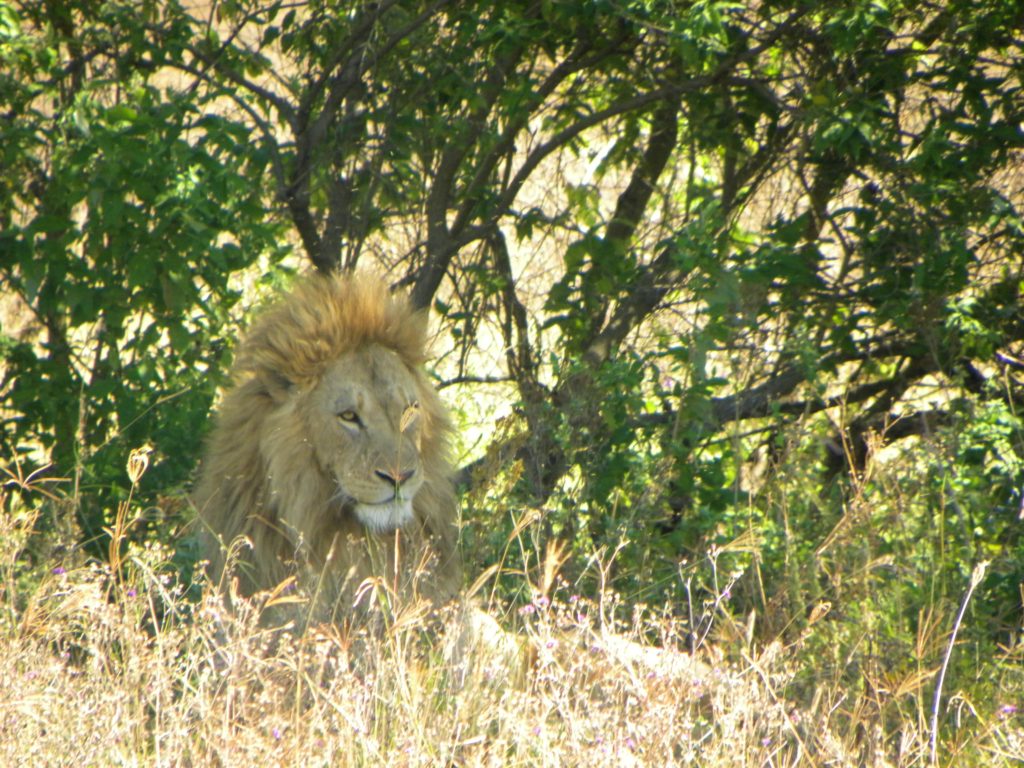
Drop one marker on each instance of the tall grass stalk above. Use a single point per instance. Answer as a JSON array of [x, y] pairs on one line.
[[977, 574]]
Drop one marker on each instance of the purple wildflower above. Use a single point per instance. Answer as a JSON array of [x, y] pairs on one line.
[[60, 569]]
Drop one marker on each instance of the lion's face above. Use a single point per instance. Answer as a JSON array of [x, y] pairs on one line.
[[365, 426], [332, 432]]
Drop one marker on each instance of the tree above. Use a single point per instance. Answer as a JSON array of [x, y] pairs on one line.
[[831, 183], [754, 212], [125, 206]]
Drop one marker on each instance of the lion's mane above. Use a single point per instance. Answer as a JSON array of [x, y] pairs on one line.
[[269, 508]]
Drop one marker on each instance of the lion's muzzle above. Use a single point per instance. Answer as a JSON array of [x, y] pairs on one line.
[[385, 517]]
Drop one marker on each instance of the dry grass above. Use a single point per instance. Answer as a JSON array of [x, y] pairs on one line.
[[103, 667]]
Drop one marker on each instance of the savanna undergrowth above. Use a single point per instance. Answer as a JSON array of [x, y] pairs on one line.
[[122, 662]]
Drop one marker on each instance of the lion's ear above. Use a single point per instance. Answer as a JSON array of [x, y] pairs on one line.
[[276, 385]]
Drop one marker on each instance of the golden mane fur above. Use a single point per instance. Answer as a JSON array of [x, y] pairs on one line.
[[330, 453]]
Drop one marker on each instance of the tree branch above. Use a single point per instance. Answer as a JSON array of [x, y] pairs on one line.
[[763, 400], [440, 245], [648, 292], [634, 199], [515, 328]]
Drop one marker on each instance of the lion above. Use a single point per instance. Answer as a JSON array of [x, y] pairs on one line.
[[329, 460]]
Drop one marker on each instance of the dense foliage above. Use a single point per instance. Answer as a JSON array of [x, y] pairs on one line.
[[753, 270], [126, 207]]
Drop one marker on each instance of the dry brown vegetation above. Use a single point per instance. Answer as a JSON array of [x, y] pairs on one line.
[[125, 665]]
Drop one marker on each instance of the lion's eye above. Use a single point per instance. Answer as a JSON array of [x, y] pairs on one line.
[[349, 416]]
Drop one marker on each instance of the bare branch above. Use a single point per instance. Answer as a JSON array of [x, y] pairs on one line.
[[360, 33], [635, 197], [650, 289], [575, 62], [440, 247], [569, 133], [215, 61], [515, 328], [475, 380]]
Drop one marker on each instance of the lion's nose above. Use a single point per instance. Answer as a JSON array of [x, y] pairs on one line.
[[396, 478]]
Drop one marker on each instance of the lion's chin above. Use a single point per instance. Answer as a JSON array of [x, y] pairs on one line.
[[385, 517]]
